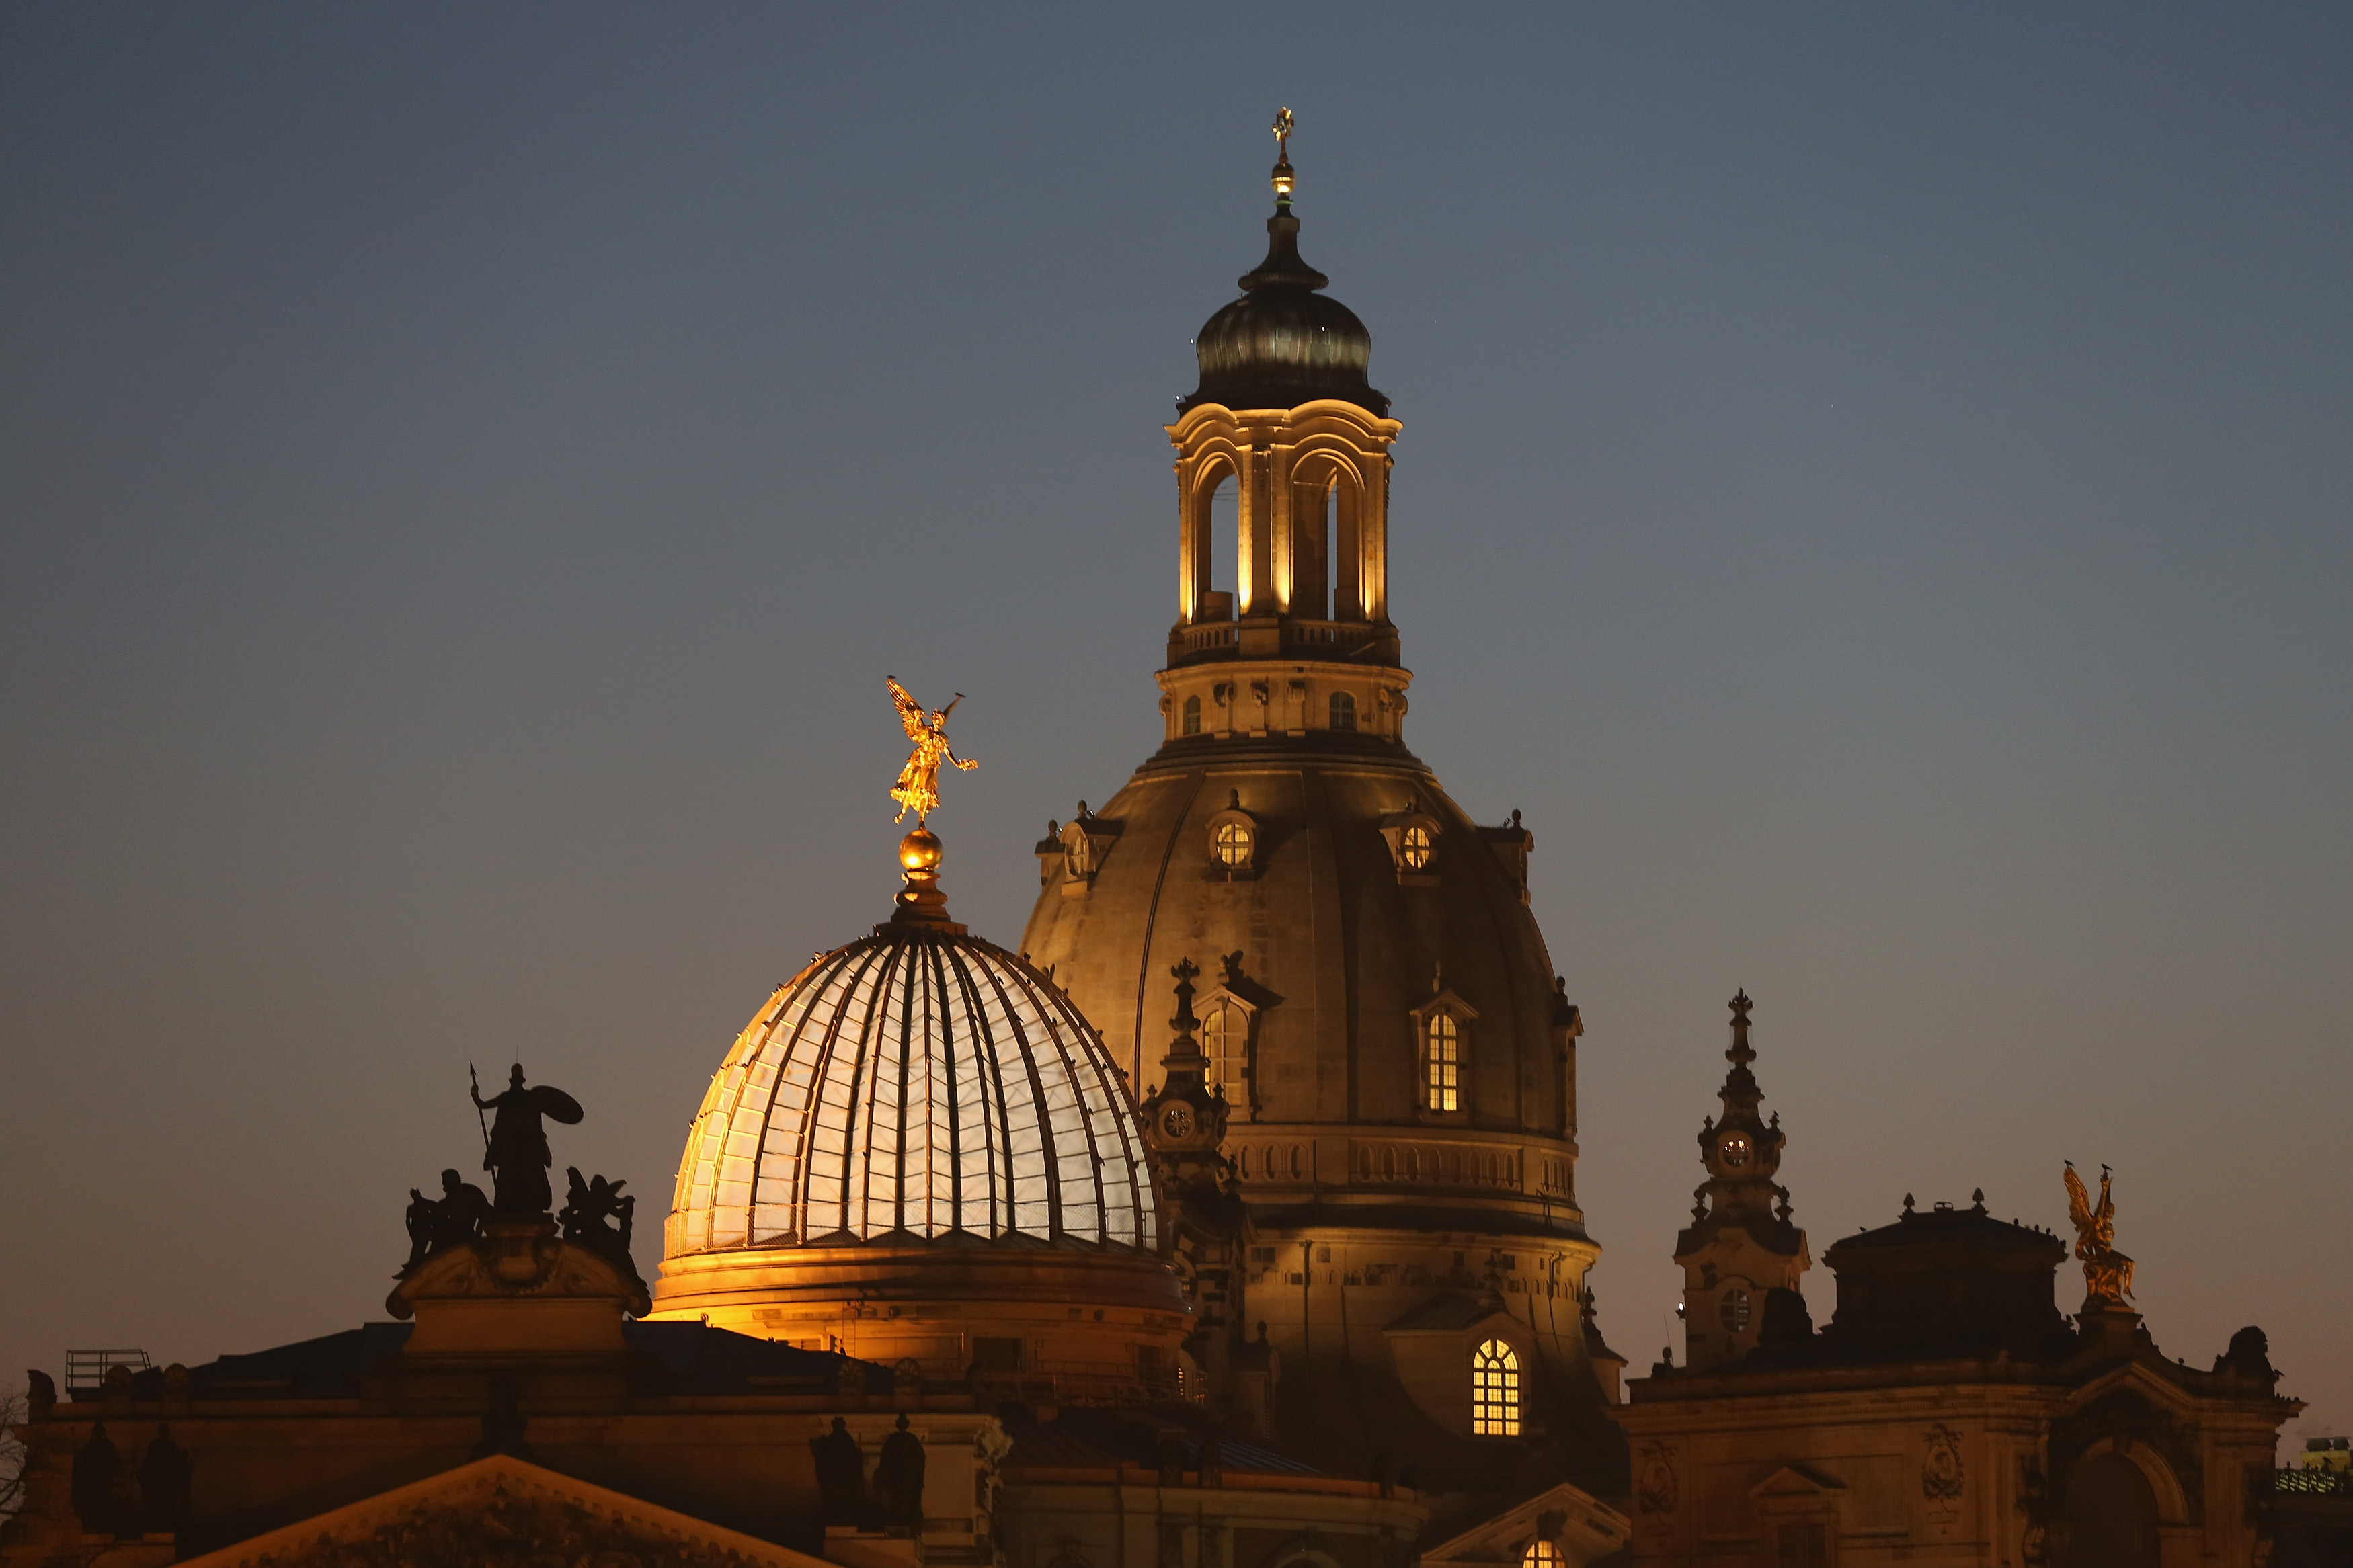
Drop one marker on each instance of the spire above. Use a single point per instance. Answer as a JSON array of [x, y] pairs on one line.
[[1282, 181], [1741, 1150], [1185, 1023], [1740, 1055], [1741, 1244], [1282, 269], [1740, 1093]]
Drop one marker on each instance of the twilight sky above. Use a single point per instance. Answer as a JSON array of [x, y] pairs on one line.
[[1874, 492]]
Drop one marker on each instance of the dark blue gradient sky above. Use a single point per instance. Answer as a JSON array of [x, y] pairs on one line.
[[1874, 492]]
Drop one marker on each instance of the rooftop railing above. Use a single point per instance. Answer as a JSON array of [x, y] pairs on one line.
[[86, 1370]]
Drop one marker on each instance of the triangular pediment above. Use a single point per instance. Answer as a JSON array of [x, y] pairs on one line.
[[1796, 1481], [1584, 1528], [2137, 1378], [485, 1510]]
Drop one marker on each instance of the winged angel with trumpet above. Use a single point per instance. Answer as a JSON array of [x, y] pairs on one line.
[[2107, 1273], [918, 786]]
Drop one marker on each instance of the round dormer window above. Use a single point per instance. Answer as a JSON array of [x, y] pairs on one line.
[[1734, 1151], [1414, 848], [1232, 844]]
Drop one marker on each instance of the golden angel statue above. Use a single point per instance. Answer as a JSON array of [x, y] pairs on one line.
[[2107, 1273], [918, 786]]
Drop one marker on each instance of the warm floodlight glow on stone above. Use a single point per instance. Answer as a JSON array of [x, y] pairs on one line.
[[917, 1083]]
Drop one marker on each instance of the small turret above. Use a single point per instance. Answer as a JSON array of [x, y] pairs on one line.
[[1185, 1117], [1740, 1245]]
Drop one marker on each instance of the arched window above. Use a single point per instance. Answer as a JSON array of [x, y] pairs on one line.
[[1495, 1390], [1415, 845], [1542, 1554], [1225, 1040], [1233, 844], [1344, 711], [1192, 715], [1441, 1062]]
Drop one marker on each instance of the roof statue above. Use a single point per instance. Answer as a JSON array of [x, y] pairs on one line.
[[514, 1148], [918, 786], [2107, 1273]]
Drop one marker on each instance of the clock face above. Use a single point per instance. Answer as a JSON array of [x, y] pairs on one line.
[[1734, 1151], [1176, 1121]]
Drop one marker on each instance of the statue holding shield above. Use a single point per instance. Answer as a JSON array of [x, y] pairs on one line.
[[515, 1146]]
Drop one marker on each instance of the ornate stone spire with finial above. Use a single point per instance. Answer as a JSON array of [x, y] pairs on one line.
[[1185, 1117], [1185, 1023], [1741, 1243]]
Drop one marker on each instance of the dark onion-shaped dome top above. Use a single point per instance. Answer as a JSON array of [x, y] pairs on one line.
[[919, 1085], [1282, 343]]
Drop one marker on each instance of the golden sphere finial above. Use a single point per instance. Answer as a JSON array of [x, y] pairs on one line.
[[920, 850]]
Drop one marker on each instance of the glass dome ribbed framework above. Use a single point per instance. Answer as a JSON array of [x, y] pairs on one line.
[[915, 1085]]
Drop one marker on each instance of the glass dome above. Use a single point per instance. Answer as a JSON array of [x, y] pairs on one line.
[[919, 1085]]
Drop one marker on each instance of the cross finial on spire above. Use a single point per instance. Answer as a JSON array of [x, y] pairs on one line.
[[1283, 123]]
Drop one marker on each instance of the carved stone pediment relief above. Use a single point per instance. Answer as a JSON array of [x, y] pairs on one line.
[[502, 1510], [518, 1265]]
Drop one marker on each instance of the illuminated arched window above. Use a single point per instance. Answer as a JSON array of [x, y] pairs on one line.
[[1441, 1062], [1344, 711], [1495, 1390], [1192, 715], [1415, 847], [1232, 844], [1225, 1038], [1542, 1554]]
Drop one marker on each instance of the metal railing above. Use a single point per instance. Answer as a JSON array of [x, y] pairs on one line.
[[86, 1370], [2313, 1482]]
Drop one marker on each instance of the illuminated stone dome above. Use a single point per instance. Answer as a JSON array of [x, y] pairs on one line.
[[919, 1148]]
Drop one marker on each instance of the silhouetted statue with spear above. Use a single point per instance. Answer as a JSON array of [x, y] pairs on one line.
[[515, 1144]]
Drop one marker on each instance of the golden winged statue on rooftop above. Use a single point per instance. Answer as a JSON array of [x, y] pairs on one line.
[[2107, 1273], [918, 786]]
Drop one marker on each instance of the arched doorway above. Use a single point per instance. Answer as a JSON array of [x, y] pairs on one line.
[[2111, 1511]]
